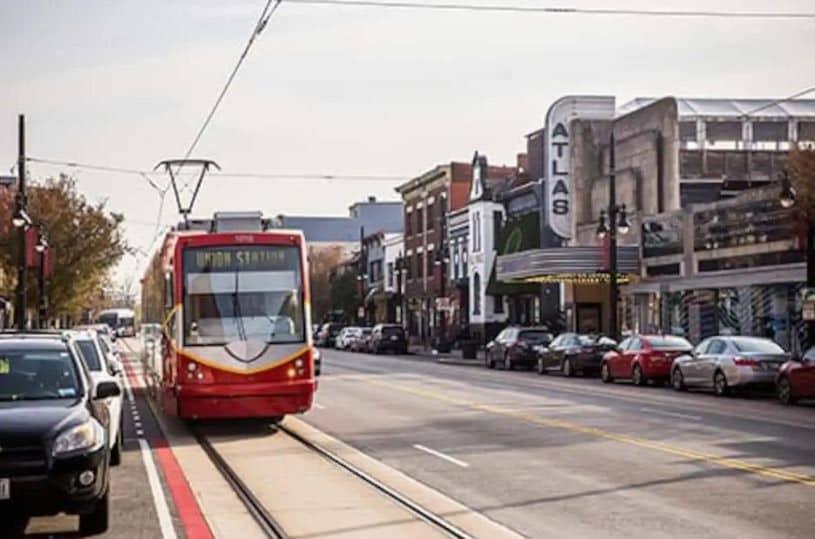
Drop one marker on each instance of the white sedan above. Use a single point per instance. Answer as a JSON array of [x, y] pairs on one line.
[[104, 366]]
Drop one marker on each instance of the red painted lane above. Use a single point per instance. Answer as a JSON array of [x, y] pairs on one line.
[[195, 525]]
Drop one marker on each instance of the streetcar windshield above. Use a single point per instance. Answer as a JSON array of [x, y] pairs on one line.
[[243, 293]]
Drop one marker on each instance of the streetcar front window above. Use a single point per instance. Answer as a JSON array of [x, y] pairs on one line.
[[243, 293]]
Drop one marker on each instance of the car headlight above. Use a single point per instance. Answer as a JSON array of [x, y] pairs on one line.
[[88, 436]]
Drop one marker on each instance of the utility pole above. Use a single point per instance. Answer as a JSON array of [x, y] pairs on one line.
[[20, 210]]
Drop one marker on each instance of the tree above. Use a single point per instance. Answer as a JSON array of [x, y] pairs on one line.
[[322, 263], [345, 292], [801, 166], [86, 240]]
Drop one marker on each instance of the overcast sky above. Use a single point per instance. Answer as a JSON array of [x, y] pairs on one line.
[[345, 90]]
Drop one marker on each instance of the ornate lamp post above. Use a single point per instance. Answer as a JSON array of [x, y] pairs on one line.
[[42, 248], [613, 221], [442, 261]]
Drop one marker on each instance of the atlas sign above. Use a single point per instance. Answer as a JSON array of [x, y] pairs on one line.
[[557, 154]]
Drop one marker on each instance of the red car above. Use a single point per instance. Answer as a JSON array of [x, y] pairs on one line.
[[642, 358], [796, 379]]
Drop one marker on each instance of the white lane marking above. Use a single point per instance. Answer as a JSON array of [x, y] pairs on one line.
[[140, 433], [441, 455], [137, 424], [671, 414], [128, 391], [160, 502], [318, 406]]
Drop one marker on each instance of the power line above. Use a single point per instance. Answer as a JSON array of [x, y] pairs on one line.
[[100, 168], [238, 175], [774, 102], [265, 15], [451, 6]]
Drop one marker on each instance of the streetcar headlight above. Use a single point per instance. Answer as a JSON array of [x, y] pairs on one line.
[[291, 372], [298, 363], [191, 366]]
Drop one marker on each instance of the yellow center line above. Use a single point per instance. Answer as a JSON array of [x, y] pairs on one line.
[[711, 458]]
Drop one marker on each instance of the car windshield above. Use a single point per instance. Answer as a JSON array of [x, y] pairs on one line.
[[669, 343], [90, 354], [586, 340], [242, 293], [757, 346], [38, 375], [535, 337]]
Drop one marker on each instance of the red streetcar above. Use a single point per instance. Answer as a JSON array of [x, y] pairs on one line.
[[233, 300]]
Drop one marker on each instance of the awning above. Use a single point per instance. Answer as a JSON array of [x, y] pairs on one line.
[[560, 262], [766, 275]]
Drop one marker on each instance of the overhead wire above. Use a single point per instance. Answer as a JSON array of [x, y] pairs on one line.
[[560, 10], [247, 175], [263, 20]]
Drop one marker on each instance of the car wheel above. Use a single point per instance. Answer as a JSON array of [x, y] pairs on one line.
[[605, 373], [508, 365], [488, 360], [567, 368], [638, 377], [785, 391], [96, 522], [678, 380], [541, 368], [720, 386]]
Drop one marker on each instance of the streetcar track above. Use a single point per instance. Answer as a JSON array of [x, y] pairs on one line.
[[392, 494], [264, 519], [269, 525]]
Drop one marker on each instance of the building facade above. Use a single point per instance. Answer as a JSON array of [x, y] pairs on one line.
[[709, 249]]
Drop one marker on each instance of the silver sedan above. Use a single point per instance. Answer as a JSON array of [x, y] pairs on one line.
[[728, 362]]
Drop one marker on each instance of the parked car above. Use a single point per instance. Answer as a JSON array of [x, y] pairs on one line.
[[728, 362], [571, 353], [643, 358], [725, 363], [103, 368], [327, 334], [346, 336], [516, 346], [362, 342], [796, 379], [54, 429], [387, 338]]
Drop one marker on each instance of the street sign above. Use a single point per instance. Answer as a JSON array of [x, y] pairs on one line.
[[808, 311]]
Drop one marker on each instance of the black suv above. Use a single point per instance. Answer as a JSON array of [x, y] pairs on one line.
[[387, 338], [54, 454]]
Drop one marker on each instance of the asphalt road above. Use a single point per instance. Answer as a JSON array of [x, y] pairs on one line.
[[555, 457]]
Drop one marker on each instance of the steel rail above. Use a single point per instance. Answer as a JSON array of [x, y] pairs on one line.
[[259, 513]]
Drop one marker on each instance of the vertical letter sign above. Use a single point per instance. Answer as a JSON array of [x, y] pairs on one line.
[[557, 154]]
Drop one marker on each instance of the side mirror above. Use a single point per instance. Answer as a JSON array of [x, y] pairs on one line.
[[116, 367], [106, 389]]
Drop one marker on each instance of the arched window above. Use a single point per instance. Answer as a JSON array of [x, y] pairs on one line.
[[476, 293]]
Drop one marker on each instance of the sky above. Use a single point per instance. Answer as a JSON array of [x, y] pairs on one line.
[[343, 90]]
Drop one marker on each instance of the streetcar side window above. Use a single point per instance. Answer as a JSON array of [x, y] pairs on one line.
[[168, 290]]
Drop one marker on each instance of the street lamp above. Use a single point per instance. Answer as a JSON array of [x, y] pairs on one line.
[[613, 221], [21, 220], [42, 248], [788, 198], [399, 265], [788, 194], [442, 260]]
